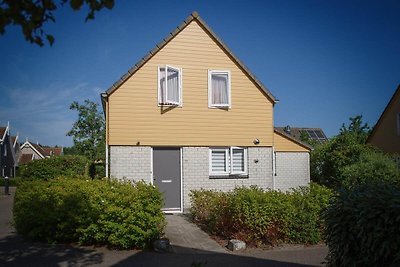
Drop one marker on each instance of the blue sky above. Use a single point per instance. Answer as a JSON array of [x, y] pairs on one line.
[[324, 60]]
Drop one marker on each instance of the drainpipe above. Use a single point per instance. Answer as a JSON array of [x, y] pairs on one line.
[[273, 168], [107, 161]]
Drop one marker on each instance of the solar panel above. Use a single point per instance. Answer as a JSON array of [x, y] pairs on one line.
[[312, 134], [319, 134]]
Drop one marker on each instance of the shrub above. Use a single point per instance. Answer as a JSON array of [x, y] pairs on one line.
[[99, 212], [362, 226], [67, 166], [262, 217], [373, 166]]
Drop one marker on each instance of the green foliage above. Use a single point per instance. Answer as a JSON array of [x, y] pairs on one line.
[[12, 181], [88, 131], [362, 226], [98, 212], [357, 129], [373, 166], [346, 160], [49, 168], [262, 217], [33, 15]]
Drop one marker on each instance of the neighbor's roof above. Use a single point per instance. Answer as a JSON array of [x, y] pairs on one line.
[[2, 132], [383, 113], [25, 158], [159, 46], [316, 134], [49, 151], [278, 130]]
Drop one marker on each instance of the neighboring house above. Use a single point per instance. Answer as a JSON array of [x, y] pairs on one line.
[[8, 152], [386, 133], [190, 115], [31, 151], [315, 134]]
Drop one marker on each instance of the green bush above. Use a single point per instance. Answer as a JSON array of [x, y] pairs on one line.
[[262, 217], [362, 226], [373, 166], [101, 212], [12, 181], [67, 166]]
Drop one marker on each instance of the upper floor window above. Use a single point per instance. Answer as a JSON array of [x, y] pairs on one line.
[[5, 150], [219, 88], [169, 86]]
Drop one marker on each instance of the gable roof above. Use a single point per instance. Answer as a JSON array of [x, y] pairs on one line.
[[291, 138], [50, 151], [37, 148], [193, 17], [391, 102]]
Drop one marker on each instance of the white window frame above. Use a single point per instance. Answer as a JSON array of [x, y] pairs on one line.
[[244, 159], [229, 161], [219, 149], [160, 93], [210, 104]]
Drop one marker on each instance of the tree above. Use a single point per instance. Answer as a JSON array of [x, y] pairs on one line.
[[31, 15], [346, 160], [357, 129], [88, 131]]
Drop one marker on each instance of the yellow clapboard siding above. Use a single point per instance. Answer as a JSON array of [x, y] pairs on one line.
[[284, 144], [134, 115]]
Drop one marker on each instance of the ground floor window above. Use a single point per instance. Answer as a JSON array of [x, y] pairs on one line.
[[228, 160]]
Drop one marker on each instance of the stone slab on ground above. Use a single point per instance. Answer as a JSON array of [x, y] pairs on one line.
[[235, 245]]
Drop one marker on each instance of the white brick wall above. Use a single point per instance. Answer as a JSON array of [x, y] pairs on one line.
[[131, 162], [196, 171], [292, 170]]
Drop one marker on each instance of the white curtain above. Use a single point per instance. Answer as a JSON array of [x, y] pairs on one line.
[[219, 84], [173, 85]]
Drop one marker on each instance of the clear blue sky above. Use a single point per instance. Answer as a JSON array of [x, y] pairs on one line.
[[324, 60]]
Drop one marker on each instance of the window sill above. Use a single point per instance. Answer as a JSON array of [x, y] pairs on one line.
[[230, 176]]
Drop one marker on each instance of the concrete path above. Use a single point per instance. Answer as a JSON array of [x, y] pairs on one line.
[[186, 237], [191, 247]]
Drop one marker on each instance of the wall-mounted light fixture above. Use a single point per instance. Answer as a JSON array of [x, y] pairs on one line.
[[256, 141]]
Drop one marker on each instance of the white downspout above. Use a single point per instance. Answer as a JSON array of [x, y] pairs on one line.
[[107, 160], [273, 168]]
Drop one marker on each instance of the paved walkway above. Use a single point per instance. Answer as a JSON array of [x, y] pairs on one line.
[[186, 237], [190, 245]]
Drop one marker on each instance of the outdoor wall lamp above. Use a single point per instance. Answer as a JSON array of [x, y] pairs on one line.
[[256, 141]]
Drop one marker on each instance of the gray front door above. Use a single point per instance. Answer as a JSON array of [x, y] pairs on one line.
[[167, 175]]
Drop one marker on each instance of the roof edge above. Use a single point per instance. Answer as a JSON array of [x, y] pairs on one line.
[[291, 138], [382, 114], [29, 144], [193, 16]]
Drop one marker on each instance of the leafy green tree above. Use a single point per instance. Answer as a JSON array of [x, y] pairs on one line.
[[31, 15], [88, 131], [357, 129], [346, 160]]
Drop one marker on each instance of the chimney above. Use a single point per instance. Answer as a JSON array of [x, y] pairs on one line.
[[287, 129]]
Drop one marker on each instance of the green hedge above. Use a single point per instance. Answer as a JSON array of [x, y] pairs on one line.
[[101, 212], [262, 217], [67, 166], [363, 226]]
